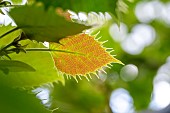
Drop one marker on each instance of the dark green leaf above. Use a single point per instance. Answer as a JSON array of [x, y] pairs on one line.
[[43, 25], [17, 101], [83, 5], [15, 66], [83, 97]]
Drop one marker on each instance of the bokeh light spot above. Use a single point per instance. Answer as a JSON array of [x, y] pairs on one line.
[[129, 72], [121, 101]]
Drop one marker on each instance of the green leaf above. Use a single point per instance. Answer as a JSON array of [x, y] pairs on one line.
[[83, 5], [16, 1], [17, 101], [83, 97], [42, 62], [15, 66], [7, 36], [43, 25]]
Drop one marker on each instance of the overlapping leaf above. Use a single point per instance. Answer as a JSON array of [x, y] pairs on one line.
[[42, 62], [14, 66], [6, 36], [84, 55], [83, 5], [43, 25]]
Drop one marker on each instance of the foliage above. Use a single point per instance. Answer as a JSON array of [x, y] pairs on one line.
[[84, 5], [44, 29], [39, 62], [14, 66], [19, 101], [26, 63]]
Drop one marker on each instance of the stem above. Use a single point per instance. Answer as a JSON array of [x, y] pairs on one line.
[[9, 32], [4, 48], [11, 6], [41, 49]]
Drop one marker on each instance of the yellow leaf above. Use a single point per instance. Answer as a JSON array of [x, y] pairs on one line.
[[84, 55]]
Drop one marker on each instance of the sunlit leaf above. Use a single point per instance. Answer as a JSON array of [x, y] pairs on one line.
[[86, 55], [7, 36], [42, 25], [15, 66], [42, 62], [16, 1]]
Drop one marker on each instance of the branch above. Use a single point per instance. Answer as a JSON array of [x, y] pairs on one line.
[[41, 49]]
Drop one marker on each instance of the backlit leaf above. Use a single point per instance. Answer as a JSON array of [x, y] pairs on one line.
[[88, 55], [16, 1], [42, 25], [42, 62], [5, 38]]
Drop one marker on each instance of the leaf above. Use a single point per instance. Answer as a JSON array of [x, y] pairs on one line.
[[19, 101], [42, 62], [16, 1], [88, 55], [43, 25], [6, 36], [89, 100], [83, 5], [15, 66]]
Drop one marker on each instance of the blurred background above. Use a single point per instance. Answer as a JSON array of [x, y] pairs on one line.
[[141, 41]]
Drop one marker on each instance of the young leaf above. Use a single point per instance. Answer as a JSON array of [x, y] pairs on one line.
[[88, 55], [43, 25], [8, 34], [15, 66], [42, 62], [16, 1]]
